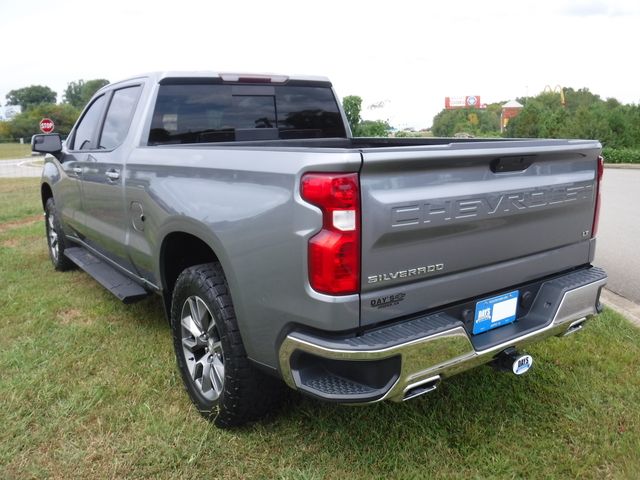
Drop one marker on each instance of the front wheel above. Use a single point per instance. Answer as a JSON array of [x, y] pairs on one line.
[[219, 378], [55, 238]]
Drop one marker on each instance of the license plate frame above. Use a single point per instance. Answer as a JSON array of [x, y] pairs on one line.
[[494, 312]]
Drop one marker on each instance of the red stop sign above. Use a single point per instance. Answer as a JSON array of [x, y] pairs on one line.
[[47, 125]]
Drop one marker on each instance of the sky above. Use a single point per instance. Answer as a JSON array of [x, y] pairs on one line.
[[402, 57]]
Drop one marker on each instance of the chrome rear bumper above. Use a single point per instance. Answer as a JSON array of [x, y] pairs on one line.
[[414, 356]]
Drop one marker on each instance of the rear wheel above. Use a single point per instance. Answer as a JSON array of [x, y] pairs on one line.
[[55, 238], [219, 378]]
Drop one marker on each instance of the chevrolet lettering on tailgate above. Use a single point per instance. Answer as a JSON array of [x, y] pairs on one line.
[[441, 211]]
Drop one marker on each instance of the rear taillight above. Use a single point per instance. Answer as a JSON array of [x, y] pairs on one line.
[[334, 252], [596, 214]]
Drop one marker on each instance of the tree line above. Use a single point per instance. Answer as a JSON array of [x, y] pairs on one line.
[[580, 114], [39, 101], [583, 114]]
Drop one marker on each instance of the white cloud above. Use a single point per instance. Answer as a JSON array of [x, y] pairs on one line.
[[600, 8]]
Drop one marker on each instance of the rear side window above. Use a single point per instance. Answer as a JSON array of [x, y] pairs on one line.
[[196, 113], [116, 123], [86, 129]]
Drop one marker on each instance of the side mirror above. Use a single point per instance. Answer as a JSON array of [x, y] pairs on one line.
[[51, 143]]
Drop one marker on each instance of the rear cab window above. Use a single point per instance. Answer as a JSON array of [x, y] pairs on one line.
[[210, 112]]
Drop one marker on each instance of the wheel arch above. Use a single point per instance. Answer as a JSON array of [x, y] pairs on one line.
[[180, 250], [185, 247], [45, 193]]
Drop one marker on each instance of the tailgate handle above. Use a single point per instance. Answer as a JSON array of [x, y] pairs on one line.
[[512, 164]]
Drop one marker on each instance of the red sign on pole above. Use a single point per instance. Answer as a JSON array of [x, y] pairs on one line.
[[47, 125]]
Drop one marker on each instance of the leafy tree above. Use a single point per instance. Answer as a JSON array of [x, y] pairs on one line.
[[476, 122], [527, 123], [372, 128], [585, 115], [352, 105], [79, 93], [29, 97], [579, 98], [73, 93], [588, 121], [5, 130], [27, 123], [91, 87]]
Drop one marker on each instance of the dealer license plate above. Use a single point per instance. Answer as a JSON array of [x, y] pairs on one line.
[[495, 312]]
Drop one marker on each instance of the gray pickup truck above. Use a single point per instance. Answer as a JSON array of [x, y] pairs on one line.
[[354, 270]]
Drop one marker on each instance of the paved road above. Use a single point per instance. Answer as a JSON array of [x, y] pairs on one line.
[[618, 247], [26, 167]]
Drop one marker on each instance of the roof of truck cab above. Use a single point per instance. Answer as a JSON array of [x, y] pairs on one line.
[[158, 76]]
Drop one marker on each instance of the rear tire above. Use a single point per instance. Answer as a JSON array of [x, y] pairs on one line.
[[55, 238], [223, 384]]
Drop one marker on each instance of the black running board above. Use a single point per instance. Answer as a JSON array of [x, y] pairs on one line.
[[120, 285]]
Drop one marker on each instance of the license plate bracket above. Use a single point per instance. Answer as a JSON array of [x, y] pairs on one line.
[[495, 312]]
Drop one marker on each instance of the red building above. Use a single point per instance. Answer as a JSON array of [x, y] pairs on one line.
[[510, 110]]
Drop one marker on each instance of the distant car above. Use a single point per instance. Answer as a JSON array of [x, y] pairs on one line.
[[356, 270]]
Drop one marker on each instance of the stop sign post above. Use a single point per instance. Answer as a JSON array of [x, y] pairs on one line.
[[47, 125]]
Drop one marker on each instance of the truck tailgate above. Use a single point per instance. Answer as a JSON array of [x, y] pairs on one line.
[[450, 222]]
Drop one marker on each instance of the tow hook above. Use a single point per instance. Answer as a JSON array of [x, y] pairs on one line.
[[514, 361]]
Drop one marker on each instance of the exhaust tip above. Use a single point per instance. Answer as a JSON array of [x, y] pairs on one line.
[[574, 327], [428, 385]]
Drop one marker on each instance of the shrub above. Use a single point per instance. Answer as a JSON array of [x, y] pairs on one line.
[[621, 155], [5, 131], [27, 123]]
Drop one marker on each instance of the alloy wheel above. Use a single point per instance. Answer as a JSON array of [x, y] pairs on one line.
[[202, 348]]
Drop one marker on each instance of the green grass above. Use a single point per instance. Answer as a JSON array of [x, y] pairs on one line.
[[14, 150], [19, 200], [89, 389]]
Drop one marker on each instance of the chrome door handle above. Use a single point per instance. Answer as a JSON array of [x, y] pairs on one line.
[[113, 174], [77, 170]]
